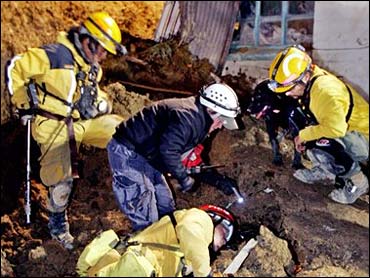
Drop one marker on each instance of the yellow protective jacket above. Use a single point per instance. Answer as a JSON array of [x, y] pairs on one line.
[[329, 103], [194, 231], [54, 68], [194, 234]]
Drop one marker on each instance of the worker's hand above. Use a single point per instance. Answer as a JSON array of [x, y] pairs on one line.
[[225, 184], [25, 115], [121, 50], [186, 184], [218, 180], [299, 144], [103, 107]]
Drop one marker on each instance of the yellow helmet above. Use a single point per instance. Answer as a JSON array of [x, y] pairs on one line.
[[105, 30], [288, 68]]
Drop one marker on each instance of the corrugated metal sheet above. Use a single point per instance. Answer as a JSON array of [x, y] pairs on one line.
[[206, 25], [169, 23]]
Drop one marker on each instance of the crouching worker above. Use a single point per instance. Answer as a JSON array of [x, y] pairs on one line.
[[175, 245], [152, 142], [339, 140]]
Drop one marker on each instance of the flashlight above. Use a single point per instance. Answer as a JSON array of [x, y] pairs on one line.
[[239, 197]]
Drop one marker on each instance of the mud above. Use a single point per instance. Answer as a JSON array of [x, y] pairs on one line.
[[301, 232]]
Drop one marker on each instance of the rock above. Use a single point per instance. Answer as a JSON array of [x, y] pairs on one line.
[[269, 258], [6, 268]]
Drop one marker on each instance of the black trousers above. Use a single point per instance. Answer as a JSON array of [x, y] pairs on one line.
[[335, 149]]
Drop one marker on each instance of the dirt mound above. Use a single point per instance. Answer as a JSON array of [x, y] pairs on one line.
[[27, 24], [168, 65], [300, 232], [30, 24], [322, 238]]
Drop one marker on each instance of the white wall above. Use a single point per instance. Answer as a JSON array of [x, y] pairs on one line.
[[340, 45], [341, 41]]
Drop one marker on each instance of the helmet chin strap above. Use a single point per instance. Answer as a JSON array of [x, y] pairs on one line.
[[307, 84], [79, 47], [93, 46], [213, 114]]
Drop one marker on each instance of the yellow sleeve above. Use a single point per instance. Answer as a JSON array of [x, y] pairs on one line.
[[329, 103], [195, 233], [102, 95], [21, 69]]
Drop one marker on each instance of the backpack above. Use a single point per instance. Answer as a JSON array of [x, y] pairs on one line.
[[102, 258], [131, 264], [109, 256]]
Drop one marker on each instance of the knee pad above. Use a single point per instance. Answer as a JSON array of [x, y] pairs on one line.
[[59, 196]]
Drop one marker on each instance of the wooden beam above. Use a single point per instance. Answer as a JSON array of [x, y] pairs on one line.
[[157, 89]]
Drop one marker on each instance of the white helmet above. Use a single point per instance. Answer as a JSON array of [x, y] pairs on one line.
[[222, 99]]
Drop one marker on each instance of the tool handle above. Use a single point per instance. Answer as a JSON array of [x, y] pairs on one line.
[[240, 257], [200, 168]]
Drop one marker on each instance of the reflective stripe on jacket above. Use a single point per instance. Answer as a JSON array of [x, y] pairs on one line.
[[329, 103], [54, 68]]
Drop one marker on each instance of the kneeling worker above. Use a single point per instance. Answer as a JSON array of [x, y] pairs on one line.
[[187, 238]]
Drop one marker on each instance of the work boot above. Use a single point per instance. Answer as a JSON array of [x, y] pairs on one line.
[[313, 175], [354, 187], [59, 229]]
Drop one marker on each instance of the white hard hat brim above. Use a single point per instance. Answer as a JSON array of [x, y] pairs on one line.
[[218, 109], [229, 123]]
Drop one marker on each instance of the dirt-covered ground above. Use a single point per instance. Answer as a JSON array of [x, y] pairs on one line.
[[27, 24], [300, 231]]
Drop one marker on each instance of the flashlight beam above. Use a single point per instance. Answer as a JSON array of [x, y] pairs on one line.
[[240, 198]]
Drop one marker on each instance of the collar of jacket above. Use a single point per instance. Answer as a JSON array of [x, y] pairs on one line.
[[203, 108], [63, 39]]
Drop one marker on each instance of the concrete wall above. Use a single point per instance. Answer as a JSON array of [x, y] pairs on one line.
[[340, 44], [341, 40]]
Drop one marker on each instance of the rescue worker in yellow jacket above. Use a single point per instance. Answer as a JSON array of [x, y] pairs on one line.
[[178, 243], [337, 136], [66, 106]]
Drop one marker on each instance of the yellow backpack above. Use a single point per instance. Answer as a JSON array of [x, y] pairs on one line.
[[107, 256]]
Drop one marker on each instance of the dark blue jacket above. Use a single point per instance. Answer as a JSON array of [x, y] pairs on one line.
[[163, 131]]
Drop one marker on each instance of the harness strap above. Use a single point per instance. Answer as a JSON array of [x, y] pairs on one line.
[[350, 108], [71, 136], [125, 243], [48, 93], [306, 99], [173, 220], [161, 246]]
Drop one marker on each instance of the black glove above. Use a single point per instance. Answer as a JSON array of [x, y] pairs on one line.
[[221, 182], [25, 115], [225, 184], [186, 184], [86, 103]]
